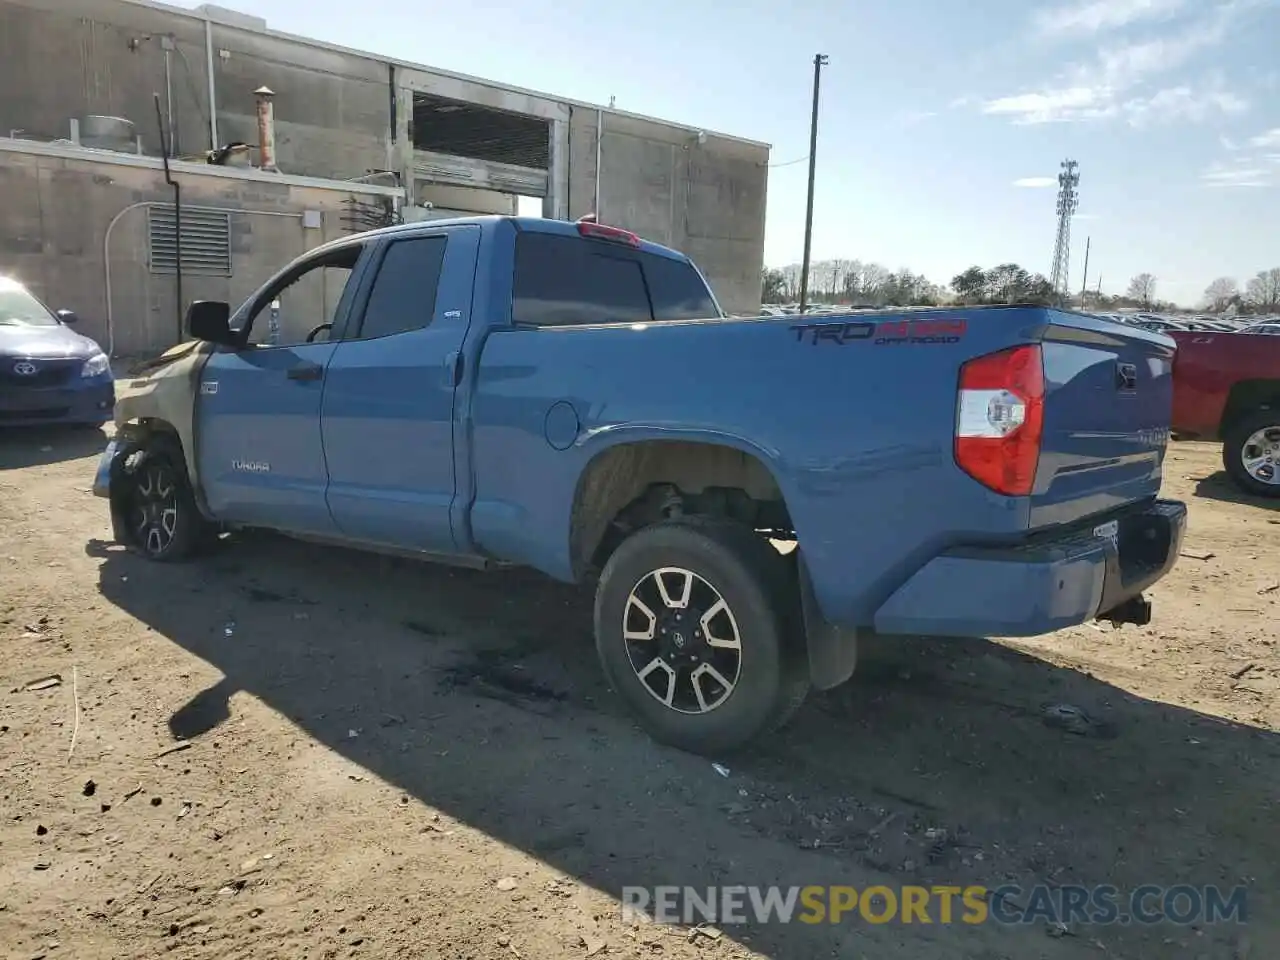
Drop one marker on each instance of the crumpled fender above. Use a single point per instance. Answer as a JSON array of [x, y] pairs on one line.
[[165, 388]]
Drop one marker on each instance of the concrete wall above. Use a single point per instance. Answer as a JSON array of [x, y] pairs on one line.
[[56, 215], [106, 57], [467, 199], [65, 58], [706, 198]]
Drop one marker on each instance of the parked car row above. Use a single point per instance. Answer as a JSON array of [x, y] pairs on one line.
[[1201, 324]]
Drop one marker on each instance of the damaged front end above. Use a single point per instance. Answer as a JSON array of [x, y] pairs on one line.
[[155, 408]]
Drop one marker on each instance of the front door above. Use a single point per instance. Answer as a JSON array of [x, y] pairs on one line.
[[258, 436], [387, 417]]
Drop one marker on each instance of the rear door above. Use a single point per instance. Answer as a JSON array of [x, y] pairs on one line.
[[387, 417], [1108, 402]]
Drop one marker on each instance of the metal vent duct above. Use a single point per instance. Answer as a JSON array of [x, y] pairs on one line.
[[462, 129]]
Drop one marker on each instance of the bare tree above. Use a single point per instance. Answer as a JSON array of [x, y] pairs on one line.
[[1220, 293], [1143, 289], [1263, 290], [839, 270], [791, 281]]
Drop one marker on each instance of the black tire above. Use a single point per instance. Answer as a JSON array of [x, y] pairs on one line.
[[157, 486], [757, 587], [1233, 449]]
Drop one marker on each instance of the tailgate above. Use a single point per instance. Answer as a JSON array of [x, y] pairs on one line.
[[1108, 400]]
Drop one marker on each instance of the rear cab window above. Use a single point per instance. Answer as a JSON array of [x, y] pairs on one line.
[[567, 280]]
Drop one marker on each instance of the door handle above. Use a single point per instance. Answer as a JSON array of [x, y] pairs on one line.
[[306, 371]]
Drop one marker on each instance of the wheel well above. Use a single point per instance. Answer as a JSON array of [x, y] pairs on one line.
[[1246, 397], [632, 485], [145, 426]]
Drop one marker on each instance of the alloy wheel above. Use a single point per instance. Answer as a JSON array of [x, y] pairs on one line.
[[682, 640], [155, 508], [1260, 455]]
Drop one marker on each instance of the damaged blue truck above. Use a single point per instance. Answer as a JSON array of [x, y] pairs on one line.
[[747, 496]]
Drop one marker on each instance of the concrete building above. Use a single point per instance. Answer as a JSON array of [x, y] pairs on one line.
[[431, 142], [93, 231]]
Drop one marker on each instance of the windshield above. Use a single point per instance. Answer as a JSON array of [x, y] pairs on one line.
[[18, 308]]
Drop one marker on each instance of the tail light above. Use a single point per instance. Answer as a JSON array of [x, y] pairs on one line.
[[1000, 418], [600, 231]]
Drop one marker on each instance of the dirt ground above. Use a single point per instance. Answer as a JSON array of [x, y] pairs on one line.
[[287, 751]]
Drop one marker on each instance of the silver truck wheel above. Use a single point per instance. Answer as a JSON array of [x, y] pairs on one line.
[[695, 625], [1251, 453], [682, 640]]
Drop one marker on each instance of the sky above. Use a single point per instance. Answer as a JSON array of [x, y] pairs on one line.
[[942, 124]]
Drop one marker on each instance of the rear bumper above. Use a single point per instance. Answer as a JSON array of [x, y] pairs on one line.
[[1043, 585], [91, 401]]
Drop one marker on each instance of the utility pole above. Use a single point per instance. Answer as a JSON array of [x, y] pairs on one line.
[[1084, 283], [819, 61]]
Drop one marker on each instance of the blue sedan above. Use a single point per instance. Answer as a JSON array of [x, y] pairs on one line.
[[48, 372]]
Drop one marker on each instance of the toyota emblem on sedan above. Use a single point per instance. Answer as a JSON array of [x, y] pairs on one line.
[[24, 368]]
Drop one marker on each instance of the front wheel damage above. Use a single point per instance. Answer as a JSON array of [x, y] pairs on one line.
[[153, 509]]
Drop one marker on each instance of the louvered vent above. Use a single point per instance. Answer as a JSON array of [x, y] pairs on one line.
[[206, 242], [441, 125]]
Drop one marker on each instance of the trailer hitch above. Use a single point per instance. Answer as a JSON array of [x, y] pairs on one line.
[[1135, 610]]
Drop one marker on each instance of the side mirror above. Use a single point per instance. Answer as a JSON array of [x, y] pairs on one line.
[[66, 316], [210, 320]]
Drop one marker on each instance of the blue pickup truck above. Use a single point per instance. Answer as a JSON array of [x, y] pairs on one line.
[[747, 496]]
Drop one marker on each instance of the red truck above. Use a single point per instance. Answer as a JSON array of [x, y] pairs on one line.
[[1226, 386]]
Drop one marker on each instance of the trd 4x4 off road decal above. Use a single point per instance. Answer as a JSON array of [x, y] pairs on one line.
[[881, 334]]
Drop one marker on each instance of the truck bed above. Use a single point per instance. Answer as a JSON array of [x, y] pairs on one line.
[[854, 416]]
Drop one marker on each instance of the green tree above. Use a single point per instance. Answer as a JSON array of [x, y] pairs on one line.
[[971, 285], [773, 285], [1007, 283]]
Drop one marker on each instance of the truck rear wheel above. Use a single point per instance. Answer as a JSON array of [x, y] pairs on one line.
[[1251, 453], [694, 624]]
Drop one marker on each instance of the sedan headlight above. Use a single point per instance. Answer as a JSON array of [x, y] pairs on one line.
[[95, 366]]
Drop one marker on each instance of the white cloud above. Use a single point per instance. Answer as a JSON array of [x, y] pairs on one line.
[[1221, 175], [913, 117], [1068, 103], [1183, 103], [1105, 86], [1036, 182], [1269, 139], [1093, 16]]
